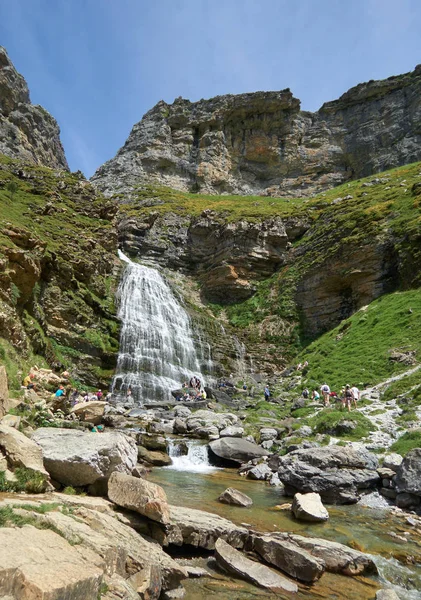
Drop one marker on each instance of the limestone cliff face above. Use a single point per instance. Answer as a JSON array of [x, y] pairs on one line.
[[261, 143], [27, 131]]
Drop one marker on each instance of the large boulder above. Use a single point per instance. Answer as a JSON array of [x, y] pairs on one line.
[[337, 473], [235, 562], [309, 507], [201, 529], [139, 495], [392, 461], [38, 563], [92, 412], [289, 557], [80, 458], [201, 420], [21, 451], [232, 431], [237, 449], [233, 496], [408, 476], [338, 558], [153, 457]]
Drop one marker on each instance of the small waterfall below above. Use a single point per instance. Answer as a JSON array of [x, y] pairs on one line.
[[157, 348], [189, 455]]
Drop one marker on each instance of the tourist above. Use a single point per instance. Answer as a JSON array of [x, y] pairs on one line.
[[305, 393], [299, 367], [192, 382], [325, 389], [60, 392], [315, 396], [356, 393], [27, 382], [267, 393], [99, 394], [349, 396]]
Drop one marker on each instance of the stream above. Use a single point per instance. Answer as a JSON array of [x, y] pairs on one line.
[[192, 482]]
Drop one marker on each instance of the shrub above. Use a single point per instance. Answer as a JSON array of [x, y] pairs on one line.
[[409, 441]]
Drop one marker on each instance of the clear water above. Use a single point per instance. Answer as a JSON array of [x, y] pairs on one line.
[[158, 350], [367, 529]]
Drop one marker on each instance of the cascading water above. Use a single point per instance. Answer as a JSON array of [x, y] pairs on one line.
[[157, 350], [189, 456]]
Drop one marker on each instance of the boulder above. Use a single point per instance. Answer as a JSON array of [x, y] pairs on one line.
[[92, 412], [337, 557], [392, 461], [408, 476], [406, 500], [232, 431], [309, 507], [152, 442], [21, 451], [80, 458], [235, 562], [209, 432], [38, 563], [337, 473], [183, 412], [11, 421], [233, 496], [159, 459], [180, 425], [201, 529], [290, 558], [268, 433], [237, 449], [387, 595], [139, 495], [260, 472], [207, 418]]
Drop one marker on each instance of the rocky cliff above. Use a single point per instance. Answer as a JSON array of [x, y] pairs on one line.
[[27, 131], [262, 143]]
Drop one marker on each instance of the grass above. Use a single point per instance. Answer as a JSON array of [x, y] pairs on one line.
[[27, 480], [329, 420], [407, 442], [358, 350]]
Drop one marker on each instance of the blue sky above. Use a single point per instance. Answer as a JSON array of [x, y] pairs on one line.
[[99, 65]]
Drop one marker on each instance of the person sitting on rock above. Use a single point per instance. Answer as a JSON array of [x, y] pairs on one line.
[[315, 395], [60, 392], [28, 383]]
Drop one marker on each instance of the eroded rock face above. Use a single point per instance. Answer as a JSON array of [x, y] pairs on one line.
[[27, 131], [139, 495], [261, 143], [20, 451], [81, 458], [408, 477]]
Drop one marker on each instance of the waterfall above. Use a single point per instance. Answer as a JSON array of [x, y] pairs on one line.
[[189, 455], [157, 350]]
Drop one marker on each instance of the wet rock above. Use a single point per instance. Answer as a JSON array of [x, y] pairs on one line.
[[392, 461], [405, 500], [201, 529], [79, 458], [232, 431], [153, 457], [408, 475], [180, 425], [236, 449], [92, 412], [233, 496], [290, 558], [196, 572], [152, 442], [140, 471], [337, 557], [336, 473], [139, 495], [386, 595], [211, 432], [309, 507], [260, 472], [235, 562], [160, 427]]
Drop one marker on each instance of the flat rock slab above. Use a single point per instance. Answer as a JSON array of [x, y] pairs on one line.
[[41, 564], [290, 558], [309, 507], [233, 496], [139, 495], [237, 449], [202, 529], [235, 562], [80, 458]]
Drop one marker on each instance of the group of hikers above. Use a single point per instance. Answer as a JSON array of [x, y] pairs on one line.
[[191, 391], [348, 396]]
